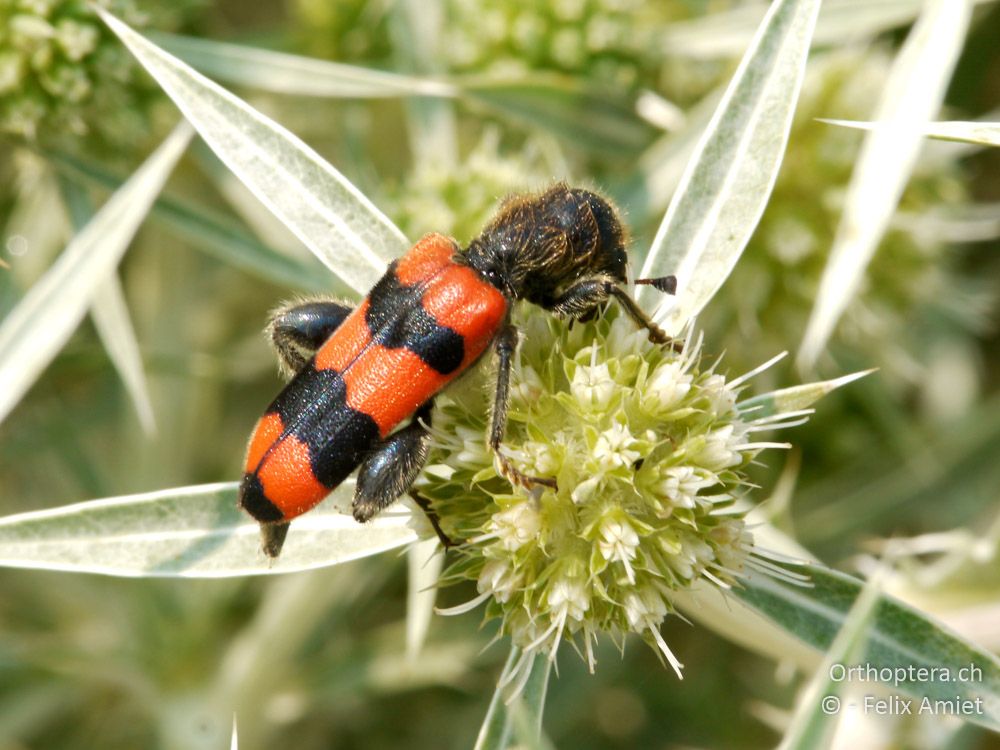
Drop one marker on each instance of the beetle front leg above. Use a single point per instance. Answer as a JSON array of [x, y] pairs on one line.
[[506, 345], [585, 295], [298, 329]]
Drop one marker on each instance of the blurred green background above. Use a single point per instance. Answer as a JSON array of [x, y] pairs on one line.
[[316, 660]]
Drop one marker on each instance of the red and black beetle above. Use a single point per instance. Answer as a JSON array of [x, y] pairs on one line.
[[361, 373]]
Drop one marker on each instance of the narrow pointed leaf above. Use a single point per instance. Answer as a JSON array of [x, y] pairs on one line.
[[913, 93], [190, 532], [597, 119], [726, 34], [212, 233], [601, 120], [902, 639], [979, 133], [318, 204], [113, 322], [724, 190], [529, 708], [114, 326], [425, 561], [495, 730], [518, 716], [815, 719], [286, 73], [45, 318], [797, 397]]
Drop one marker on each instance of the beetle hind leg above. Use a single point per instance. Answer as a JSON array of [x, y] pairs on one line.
[[297, 329]]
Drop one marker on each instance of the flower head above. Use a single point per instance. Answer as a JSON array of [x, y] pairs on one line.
[[648, 450], [63, 72]]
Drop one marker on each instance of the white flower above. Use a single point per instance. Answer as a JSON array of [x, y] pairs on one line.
[[680, 484], [585, 490], [593, 385], [721, 449], [568, 599], [498, 580], [667, 386], [544, 458], [618, 542], [529, 385], [516, 526], [614, 448], [722, 399], [645, 610], [733, 540], [473, 452], [643, 464], [693, 557]]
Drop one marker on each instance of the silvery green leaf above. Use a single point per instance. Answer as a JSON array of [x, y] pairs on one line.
[[212, 233], [518, 704], [727, 183], [415, 27], [727, 33], [114, 326], [979, 133], [45, 318], [528, 709], [819, 708], [193, 532], [494, 733], [113, 322], [913, 93], [796, 397], [902, 640], [601, 120], [318, 204], [425, 561], [286, 73]]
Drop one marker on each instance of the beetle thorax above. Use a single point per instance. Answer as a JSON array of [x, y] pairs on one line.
[[541, 244]]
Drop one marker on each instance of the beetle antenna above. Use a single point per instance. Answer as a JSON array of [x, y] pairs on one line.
[[665, 284]]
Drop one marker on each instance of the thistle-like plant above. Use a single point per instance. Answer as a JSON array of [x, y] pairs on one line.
[[648, 444]]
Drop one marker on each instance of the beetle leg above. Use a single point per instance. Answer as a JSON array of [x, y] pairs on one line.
[[389, 470], [506, 344], [583, 296], [432, 516], [298, 329]]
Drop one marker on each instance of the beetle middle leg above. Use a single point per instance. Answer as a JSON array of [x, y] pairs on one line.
[[390, 469], [298, 329], [506, 344]]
